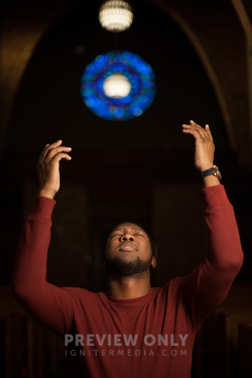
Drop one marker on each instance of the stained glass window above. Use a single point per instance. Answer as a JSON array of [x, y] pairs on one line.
[[118, 85]]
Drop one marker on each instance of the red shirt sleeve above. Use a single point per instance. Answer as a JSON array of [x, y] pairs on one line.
[[208, 285], [50, 305]]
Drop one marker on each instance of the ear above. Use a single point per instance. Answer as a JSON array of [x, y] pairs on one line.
[[153, 262]]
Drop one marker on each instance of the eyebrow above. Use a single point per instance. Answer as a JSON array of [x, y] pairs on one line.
[[132, 228]]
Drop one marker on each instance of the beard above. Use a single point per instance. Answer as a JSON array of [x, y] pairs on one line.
[[128, 268]]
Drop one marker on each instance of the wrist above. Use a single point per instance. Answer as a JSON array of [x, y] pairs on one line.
[[211, 176], [205, 167], [47, 192], [210, 181], [214, 170]]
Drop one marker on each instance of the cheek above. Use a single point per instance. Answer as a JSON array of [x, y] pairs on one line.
[[146, 248], [109, 247]]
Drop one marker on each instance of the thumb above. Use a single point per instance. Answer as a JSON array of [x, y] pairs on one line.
[[207, 128]]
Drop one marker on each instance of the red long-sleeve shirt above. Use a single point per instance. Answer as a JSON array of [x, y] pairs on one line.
[[150, 336]]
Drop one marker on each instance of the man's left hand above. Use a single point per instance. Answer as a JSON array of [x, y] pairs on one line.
[[204, 145]]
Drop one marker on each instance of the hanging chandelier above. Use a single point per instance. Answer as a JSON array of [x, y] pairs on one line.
[[115, 15]]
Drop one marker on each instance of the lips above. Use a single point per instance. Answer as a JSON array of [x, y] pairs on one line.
[[127, 246]]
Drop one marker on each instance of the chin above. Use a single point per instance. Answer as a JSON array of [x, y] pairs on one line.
[[128, 266]]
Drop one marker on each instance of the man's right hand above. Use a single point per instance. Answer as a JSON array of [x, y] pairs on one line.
[[48, 168]]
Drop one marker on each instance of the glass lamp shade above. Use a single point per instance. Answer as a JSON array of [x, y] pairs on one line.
[[116, 85], [115, 15]]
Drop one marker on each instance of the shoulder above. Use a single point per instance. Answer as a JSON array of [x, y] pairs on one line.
[[171, 289]]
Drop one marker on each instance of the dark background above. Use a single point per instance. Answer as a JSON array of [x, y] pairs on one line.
[[139, 170], [118, 164]]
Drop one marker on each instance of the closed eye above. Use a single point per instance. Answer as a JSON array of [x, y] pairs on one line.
[[115, 235], [139, 235]]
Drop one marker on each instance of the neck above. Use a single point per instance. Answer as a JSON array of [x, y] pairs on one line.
[[129, 287]]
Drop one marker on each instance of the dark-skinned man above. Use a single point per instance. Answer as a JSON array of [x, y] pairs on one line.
[[131, 330]]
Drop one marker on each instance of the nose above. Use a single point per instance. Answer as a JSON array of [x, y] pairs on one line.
[[127, 237]]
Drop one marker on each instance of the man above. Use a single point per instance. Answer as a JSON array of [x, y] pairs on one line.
[[131, 330]]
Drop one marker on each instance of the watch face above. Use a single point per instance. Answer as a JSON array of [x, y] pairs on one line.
[[219, 175], [217, 172]]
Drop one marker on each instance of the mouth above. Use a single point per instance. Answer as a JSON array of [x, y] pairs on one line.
[[128, 246]]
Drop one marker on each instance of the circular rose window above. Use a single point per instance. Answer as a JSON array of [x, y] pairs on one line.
[[118, 85]]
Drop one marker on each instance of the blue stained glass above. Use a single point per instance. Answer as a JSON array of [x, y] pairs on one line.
[[127, 99], [99, 58], [137, 111], [137, 71], [89, 102], [146, 84], [119, 113], [87, 92]]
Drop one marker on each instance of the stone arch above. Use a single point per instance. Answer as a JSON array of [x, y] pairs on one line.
[[192, 36], [21, 30]]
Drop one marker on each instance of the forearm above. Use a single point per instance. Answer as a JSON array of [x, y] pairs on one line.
[[46, 192], [223, 235], [29, 273], [48, 304], [210, 181], [208, 285]]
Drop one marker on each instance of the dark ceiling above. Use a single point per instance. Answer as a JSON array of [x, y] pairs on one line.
[[49, 105]]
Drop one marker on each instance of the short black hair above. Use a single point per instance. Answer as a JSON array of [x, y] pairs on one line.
[[137, 224]]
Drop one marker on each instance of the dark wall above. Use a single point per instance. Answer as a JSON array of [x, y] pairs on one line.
[[118, 163]]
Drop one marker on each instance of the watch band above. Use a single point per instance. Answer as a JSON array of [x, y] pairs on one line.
[[208, 172], [212, 171]]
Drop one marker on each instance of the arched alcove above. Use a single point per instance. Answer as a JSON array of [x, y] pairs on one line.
[[49, 106], [117, 162]]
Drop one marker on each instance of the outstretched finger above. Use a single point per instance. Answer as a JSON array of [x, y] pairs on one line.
[[195, 124], [196, 130], [55, 151], [200, 129], [47, 148], [207, 128], [192, 131], [59, 156]]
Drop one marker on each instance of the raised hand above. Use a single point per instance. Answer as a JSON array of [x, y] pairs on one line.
[[204, 150], [48, 168], [204, 145]]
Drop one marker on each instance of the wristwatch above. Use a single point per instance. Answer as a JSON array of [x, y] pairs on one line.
[[212, 171]]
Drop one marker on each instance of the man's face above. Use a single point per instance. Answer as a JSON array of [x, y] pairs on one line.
[[128, 250]]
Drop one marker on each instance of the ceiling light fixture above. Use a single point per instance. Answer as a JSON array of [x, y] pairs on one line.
[[117, 86], [115, 15]]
